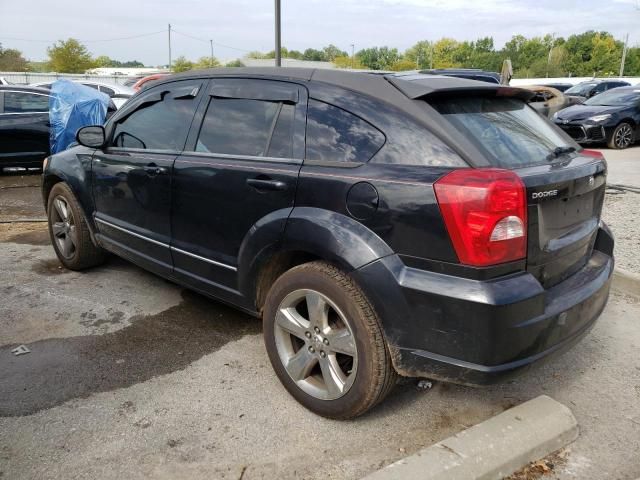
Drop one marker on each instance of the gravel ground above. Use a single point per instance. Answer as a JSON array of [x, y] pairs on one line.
[[621, 210], [622, 214]]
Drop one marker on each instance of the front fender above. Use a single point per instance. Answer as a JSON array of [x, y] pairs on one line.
[[73, 166], [319, 233]]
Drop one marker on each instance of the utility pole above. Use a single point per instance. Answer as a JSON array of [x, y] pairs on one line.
[[211, 60], [278, 47], [169, 47], [353, 54], [624, 55]]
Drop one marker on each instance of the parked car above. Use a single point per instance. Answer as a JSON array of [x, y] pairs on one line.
[[547, 101], [111, 89], [468, 73], [145, 81], [130, 81], [378, 224], [563, 87], [24, 126], [612, 117], [591, 88]]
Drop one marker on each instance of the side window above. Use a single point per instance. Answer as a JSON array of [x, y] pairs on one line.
[[600, 88], [161, 121], [24, 102], [249, 127], [335, 135]]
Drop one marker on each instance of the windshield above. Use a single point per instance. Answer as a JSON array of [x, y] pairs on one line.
[[613, 98], [507, 130], [581, 89]]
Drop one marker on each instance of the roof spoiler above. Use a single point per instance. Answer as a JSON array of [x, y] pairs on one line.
[[416, 87]]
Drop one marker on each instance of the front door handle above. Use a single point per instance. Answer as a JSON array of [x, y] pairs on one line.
[[152, 170], [267, 184]]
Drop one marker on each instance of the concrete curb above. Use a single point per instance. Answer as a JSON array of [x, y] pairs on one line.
[[626, 282], [492, 449]]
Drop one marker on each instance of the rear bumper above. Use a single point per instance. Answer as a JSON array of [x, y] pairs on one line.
[[480, 332]]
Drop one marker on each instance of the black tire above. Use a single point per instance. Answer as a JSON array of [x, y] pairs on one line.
[[622, 137], [83, 253], [374, 375]]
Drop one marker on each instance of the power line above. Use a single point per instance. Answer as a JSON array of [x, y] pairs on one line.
[[86, 41], [209, 41]]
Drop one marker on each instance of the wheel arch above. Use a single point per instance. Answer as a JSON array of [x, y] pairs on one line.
[[305, 235], [72, 167]]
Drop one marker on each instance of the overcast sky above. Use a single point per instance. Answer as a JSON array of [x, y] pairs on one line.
[[248, 24]]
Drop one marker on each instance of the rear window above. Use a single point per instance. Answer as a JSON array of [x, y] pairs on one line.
[[507, 130]]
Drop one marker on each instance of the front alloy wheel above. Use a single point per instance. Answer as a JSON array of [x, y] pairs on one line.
[[622, 136], [63, 227], [69, 232]]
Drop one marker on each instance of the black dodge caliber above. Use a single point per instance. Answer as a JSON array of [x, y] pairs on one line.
[[378, 224]]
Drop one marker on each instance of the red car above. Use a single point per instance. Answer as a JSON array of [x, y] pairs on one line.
[[149, 78]]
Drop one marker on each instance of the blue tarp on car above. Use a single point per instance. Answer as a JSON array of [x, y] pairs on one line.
[[72, 106]]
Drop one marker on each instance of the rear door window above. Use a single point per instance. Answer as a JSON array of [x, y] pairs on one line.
[[24, 102], [335, 135], [248, 127], [507, 130]]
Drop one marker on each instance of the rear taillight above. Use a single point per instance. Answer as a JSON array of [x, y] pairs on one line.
[[592, 153], [485, 212]]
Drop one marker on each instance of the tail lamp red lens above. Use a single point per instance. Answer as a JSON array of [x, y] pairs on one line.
[[485, 212], [592, 153]]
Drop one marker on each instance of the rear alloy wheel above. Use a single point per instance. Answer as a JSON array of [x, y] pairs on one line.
[[621, 137], [69, 231], [325, 342]]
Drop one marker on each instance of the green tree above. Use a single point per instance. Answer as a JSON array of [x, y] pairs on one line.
[[593, 53], [444, 53], [313, 55], [295, 54], [69, 56], [348, 62], [256, 55], [632, 63], [420, 54], [235, 63], [378, 58], [330, 52], [402, 65], [181, 64], [102, 62], [206, 62], [11, 60]]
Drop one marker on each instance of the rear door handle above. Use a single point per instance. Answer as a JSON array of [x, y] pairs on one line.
[[267, 184], [153, 169]]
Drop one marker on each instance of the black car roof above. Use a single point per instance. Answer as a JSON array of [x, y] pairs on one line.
[[412, 85], [25, 88]]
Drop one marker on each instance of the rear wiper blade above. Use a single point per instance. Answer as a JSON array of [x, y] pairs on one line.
[[559, 151]]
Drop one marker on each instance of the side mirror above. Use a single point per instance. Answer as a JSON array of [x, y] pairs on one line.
[[92, 136]]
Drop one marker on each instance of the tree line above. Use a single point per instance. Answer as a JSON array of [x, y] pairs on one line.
[[585, 54]]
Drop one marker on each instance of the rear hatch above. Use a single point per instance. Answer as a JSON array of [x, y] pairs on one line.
[[564, 187]]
